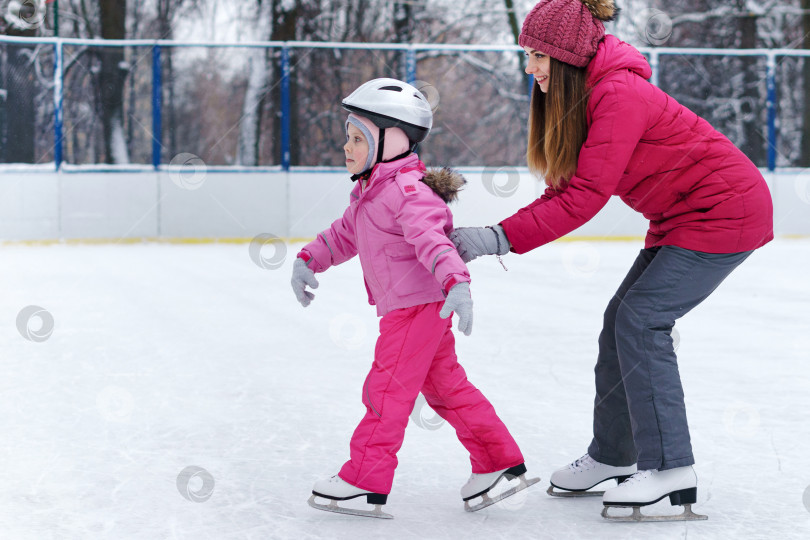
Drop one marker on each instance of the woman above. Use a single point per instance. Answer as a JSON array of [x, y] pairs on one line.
[[598, 128]]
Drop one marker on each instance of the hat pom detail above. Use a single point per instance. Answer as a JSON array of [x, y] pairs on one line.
[[604, 10]]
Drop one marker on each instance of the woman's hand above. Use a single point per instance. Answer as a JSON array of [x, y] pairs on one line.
[[472, 242]]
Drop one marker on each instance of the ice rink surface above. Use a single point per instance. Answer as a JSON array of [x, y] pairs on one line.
[[164, 357]]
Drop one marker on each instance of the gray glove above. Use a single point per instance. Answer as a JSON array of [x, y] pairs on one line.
[[459, 300], [301, 277], [472, 242]]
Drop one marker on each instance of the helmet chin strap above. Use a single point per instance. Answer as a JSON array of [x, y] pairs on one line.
[[367, 173], [380, 146]]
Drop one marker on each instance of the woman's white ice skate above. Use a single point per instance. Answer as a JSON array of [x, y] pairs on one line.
[[649, 487], [479, 485], [575, 479], [336, 489]]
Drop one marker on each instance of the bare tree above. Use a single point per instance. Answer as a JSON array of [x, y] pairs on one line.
[[514, 27], [112, 77], [258, 82], [167, 13], [804, 156], [17, 85], [752, 91], [402, 26]]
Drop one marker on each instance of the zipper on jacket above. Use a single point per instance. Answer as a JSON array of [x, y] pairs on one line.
[[371, 274], [361, 236]]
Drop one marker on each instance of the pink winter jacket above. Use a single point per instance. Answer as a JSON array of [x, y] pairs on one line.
[[398, 225], [697, 189]]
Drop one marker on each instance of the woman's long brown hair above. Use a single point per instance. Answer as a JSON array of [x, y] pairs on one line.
[[558, 124]]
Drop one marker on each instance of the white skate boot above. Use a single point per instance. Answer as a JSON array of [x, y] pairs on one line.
[[575, 479], [649, 487], [336, 489], [479, 485]]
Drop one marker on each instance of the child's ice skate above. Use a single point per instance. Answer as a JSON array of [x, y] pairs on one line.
[[336, 489], [649, 487], [479, 485], [575, 479]]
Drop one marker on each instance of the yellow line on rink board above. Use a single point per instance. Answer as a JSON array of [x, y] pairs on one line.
[[144, 240]]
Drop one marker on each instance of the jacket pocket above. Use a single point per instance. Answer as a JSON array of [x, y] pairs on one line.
[[405, 272], [399, 250]]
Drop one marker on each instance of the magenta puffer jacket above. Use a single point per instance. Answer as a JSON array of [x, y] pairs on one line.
[[697, 189], [398, 225]]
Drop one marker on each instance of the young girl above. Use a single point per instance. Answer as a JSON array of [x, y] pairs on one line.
[[397, 222], [598, 128]]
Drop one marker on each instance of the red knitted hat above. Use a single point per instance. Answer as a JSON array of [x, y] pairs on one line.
[[567, 30]]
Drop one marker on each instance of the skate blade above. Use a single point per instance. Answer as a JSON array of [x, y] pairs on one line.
[[489, 501], [637, 516], [564, 493], [333, 507], [559, 492]]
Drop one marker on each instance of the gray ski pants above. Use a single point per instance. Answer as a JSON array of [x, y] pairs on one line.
[[639, 413]]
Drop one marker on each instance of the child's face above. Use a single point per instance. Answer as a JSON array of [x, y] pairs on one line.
[[356, 150], [538, 66]]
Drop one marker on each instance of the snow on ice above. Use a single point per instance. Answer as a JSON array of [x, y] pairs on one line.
[[183, 393]]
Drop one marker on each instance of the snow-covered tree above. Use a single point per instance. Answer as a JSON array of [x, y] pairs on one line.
[[259, 71], [476, 93]]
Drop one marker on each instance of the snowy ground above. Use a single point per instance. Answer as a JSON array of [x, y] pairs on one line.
[[164, 357]]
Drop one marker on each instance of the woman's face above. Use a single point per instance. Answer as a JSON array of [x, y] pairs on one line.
[[539, 66], [356, 150]]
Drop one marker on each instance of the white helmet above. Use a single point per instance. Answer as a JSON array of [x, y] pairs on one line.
[[393, 103]]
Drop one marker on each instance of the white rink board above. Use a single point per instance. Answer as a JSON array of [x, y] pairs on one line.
[[89, 205]]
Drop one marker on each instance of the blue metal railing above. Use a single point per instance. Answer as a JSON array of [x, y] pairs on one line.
[[410, 66], [653, 54], [285, 108], [771, 104], [58, 92]]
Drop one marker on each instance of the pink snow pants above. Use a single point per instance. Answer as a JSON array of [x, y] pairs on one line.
[[416, 352]]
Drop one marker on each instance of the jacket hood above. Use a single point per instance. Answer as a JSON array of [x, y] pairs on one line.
[[612, 54], [445, 182]]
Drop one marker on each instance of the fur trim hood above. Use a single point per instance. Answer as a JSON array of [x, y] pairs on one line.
[[445, 182]]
